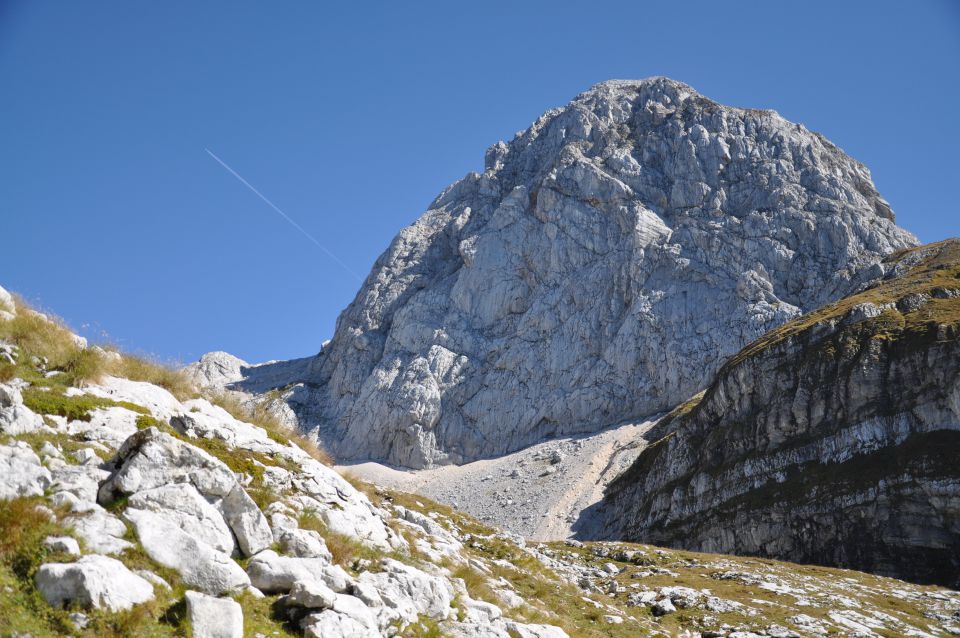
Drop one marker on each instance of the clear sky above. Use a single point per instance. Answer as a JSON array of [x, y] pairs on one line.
[[351, 117]]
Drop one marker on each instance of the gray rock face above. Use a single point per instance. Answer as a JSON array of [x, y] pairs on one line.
[[602, 267], [831, 440]]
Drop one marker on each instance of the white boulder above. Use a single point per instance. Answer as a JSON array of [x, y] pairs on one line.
[[272, 573], [96, 582], [63, 544], [22, 473], [522, 630], [311, 594], [212, 617], [410, 592], [15, 417], [182, 505], [246, 521], [303, 543], [198, 564]]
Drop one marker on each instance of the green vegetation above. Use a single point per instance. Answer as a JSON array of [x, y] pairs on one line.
[[47, 339], [423, 628], [138, 368], [266, 616], [936, 272], [74, 408], [346, 550], [259, 414]]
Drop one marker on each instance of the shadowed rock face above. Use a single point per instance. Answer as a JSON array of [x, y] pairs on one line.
[[602, 267], [833, 439]]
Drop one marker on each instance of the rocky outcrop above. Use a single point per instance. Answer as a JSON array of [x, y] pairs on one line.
[[830, 440], [602, 267]]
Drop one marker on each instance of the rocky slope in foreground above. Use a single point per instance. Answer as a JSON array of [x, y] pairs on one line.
[[564, 289], [128, 511], [833, 439]]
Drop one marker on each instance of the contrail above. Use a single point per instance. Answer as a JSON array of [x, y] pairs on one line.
[[283, 214]]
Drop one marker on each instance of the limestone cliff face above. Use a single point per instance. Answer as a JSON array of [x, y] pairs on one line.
[[833, 439], [602, 267]]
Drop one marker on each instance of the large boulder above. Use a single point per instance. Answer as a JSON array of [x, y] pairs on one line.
[[311, 594], [198, 564], [152, 459], [272, 573], [96, 582], [303, 543], [182, 505], [410, 592], [601, 268], [246, 521]]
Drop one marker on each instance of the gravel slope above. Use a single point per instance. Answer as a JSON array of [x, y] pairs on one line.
[[543, 492]]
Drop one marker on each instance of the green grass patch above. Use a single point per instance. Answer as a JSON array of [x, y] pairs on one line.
[[74, 408]]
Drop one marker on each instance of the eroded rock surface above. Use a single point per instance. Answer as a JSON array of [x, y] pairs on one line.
[[601, 268], [831, 440]]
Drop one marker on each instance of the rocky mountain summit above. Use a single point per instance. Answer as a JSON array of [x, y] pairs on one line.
[[833, 439], [133, 503], [603, 266]]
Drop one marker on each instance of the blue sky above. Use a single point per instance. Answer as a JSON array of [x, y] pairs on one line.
[[352, 117]]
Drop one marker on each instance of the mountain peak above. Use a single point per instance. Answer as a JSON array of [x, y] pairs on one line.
[[606, 262]]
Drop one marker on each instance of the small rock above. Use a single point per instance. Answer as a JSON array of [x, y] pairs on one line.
[[663, 607], [311, 595], [304, 543], [212, 617], [79, 620], [153, 578], [49, 450], [63, 544], [86, 456]]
